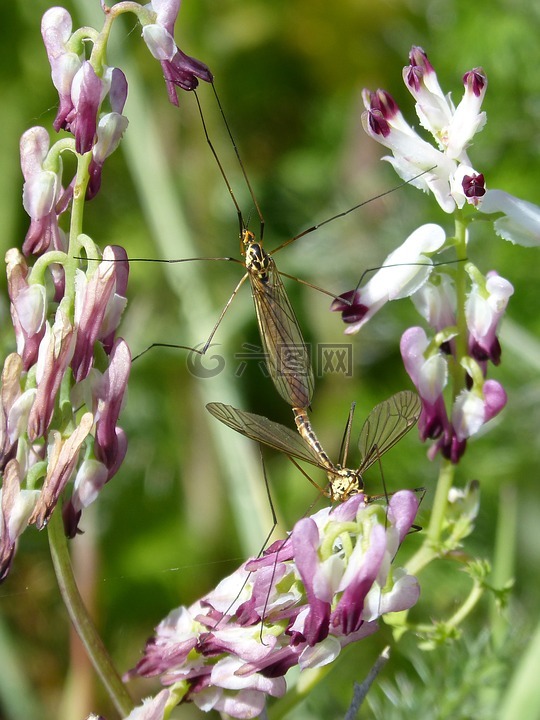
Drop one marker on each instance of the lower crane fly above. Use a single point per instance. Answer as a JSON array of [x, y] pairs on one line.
[[385, 425]]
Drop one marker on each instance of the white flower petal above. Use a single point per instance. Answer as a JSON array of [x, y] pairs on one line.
[[467, 414], [521, 223], [320, 654], [160, 43]]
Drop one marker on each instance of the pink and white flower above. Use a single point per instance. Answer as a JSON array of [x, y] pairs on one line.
[[300, 603], [180, 70], [402, 274]]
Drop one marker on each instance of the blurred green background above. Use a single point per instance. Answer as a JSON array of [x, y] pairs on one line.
[[179, 515]]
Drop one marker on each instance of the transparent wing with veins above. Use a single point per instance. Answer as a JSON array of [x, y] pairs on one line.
[[287, 356], [263, 430], [386, 424]]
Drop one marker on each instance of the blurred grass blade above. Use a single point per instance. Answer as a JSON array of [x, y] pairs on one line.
[[17, 699], [522, 698]]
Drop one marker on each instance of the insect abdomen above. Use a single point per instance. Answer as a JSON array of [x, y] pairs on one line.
[[308, 434]]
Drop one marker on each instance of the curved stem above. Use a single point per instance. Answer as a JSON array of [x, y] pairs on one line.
[[82, 622], [444, 483], [430, 547], [77, 212], [466, 608]]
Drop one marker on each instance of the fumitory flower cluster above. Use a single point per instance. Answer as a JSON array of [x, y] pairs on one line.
[[462, 305], [63, 388], [299, 603]]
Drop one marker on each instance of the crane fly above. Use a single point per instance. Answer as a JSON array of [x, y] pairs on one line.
[[385, 425], [285, 350]]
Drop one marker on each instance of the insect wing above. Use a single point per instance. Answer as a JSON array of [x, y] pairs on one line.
[[264, 431], [386, 424], [287, 356]]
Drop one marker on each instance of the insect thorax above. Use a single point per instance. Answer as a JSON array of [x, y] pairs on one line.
[[258, 261], [343, 483]]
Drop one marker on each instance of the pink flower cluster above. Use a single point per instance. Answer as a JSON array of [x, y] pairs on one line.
[[300, 603], [62, 391], [58, 412]]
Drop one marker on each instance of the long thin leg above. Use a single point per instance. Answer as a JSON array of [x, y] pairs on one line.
[[207, 343], [311, 285], [267, 538], [218, 161], [237, 153], [350, 210], [222, 314], [345, 442], [321, 492]]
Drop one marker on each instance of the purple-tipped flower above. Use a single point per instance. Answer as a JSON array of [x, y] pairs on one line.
[[428, 370], [484, 310], [55, 353], [42, 193], [81, 121], [110, 442], [180, 70], [28, 304], [9, 400], [16, 507], [95, 297], [298, 604], [90, 479], [110, 129], [82, 87], [403, 273], [62, 457], [473, 408], [452, 128], [65, 62]]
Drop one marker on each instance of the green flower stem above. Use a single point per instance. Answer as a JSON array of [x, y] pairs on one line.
[[99, 51], [37, 273], [81, 620], [459, 616], [430, 548], [444, 483], [76, 225], [504, 559], [458, 375], [53, 161]]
